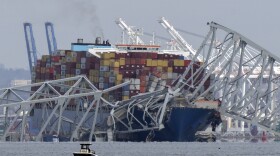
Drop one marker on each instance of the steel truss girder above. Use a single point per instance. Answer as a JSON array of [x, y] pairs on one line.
[[152, 104], [234, 63], [58, 95]]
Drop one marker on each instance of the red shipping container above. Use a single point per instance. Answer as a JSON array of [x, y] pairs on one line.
[[122, 55], [127, 61], [79, 54], [132, 61], [142, 89], [187, 62], [153, 69], [143, 83], [149, 56], [55, 58], [51, 70], [137, 61], [154, 55], [145, 72], [143, 61], [143, 55]]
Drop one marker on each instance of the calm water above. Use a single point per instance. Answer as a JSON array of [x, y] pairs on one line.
[[144, 149]]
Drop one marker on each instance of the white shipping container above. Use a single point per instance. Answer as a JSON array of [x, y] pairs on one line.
[[126, 80], [154, 84], [83, 60], [137, 81], [61, 52], [131, 87], [174, 75], [83, 66], [101, 85], [132, 81], [101, 79], [62, 73], [164, 76], [112, 79], [147, 78], [74, 54], [88, 54], [68, 59], [63, 67], [169, 75], [137, 87], [78, 71], [151, 89]]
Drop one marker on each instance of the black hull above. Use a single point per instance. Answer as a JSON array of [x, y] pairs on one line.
[[180, 126]]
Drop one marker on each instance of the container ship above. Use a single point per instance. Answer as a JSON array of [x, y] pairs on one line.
[[142, 65]]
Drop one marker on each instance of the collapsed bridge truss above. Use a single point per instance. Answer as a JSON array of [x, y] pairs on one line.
[[244, 78]]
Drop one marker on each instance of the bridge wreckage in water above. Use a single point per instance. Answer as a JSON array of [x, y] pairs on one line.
[[244, 86]]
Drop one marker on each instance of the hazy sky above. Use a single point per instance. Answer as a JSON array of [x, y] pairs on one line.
[[255, 19]]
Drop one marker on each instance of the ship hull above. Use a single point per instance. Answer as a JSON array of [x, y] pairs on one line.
[[180, 126]]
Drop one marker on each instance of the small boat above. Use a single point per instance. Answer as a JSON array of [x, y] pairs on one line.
[[85, 150]]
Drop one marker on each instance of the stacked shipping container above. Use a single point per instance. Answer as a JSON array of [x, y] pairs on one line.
[[142, 69]]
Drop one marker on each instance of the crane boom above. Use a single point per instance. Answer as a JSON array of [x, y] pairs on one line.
[[30, 45], [52, 46], [183, 45], [133, 35]]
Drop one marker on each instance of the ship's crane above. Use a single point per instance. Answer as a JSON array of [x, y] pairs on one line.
[[183, 45], [133, 35], [52, 46], [30, 45]]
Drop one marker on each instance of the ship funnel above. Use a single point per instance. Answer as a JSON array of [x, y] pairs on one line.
[[98, 40], [80, 40]]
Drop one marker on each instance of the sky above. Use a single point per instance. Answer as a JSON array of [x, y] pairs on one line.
[[256, 19]]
